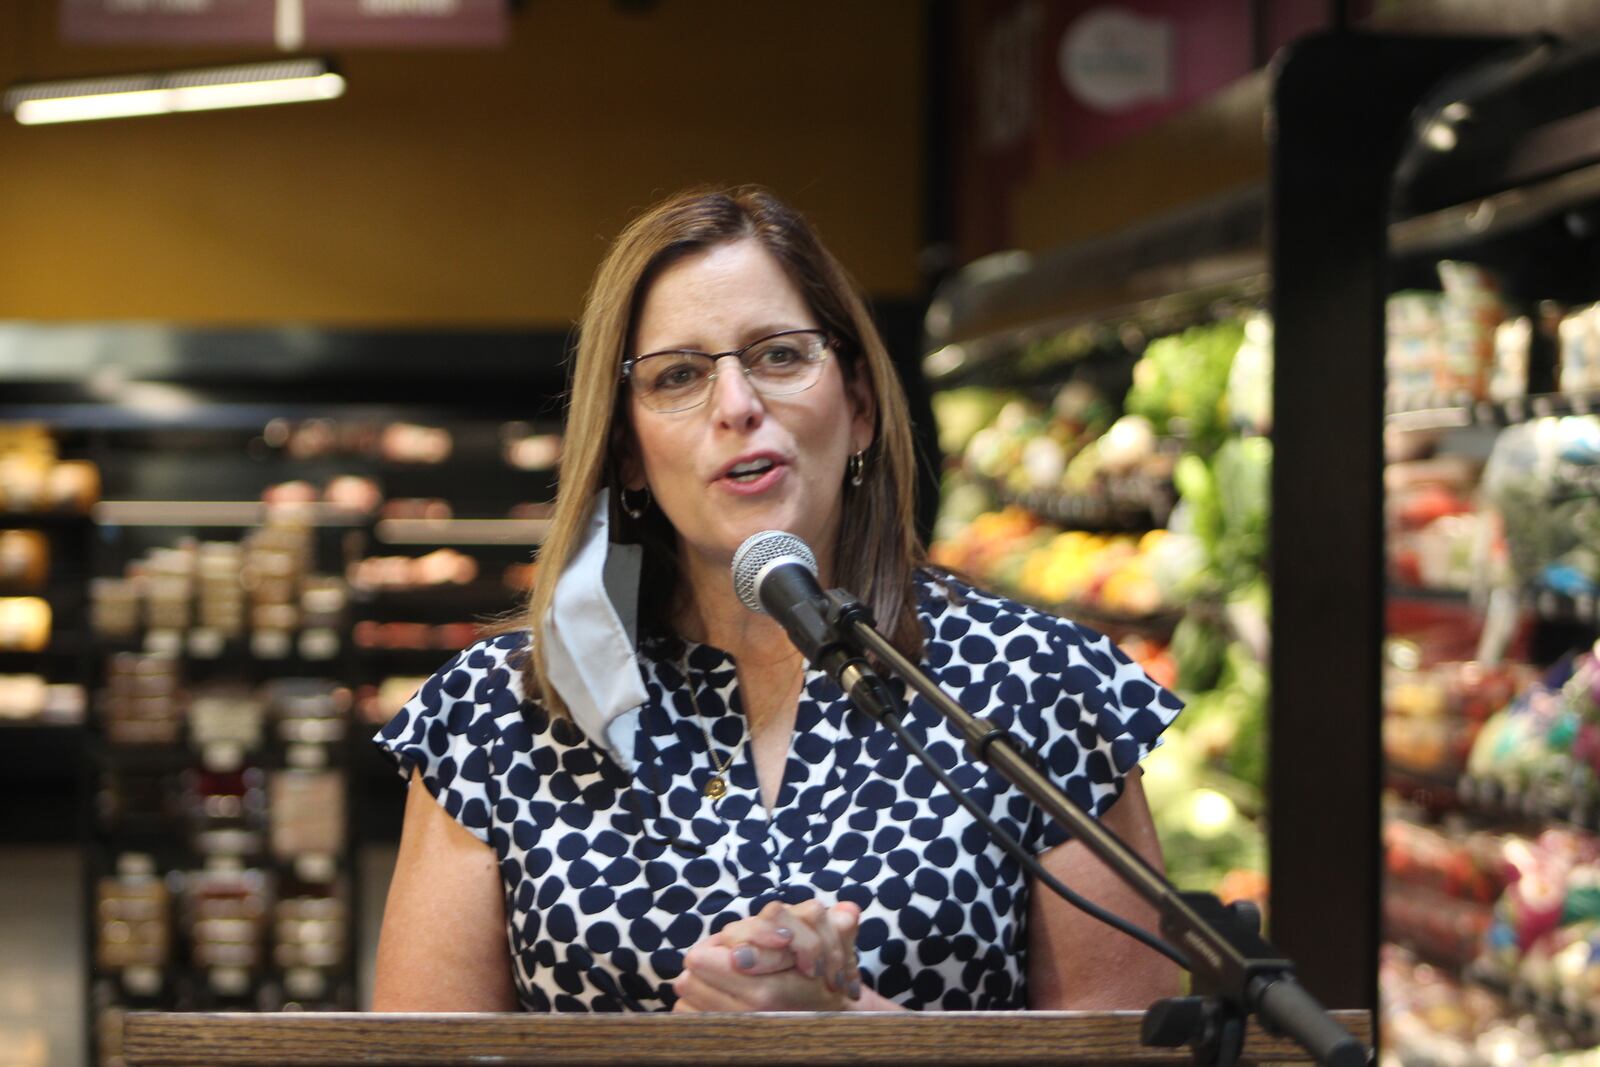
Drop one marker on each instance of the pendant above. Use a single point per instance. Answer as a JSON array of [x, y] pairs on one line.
[[716, 787]]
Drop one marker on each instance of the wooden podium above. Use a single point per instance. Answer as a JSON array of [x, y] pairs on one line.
[[338, 1039]]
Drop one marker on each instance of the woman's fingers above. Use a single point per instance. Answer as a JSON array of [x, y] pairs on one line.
[[845, 918]]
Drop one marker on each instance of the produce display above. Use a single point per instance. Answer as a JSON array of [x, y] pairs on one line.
[[1546, 743], [1145, 516], [1543, 480]]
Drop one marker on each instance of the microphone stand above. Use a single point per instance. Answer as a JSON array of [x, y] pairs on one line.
[[1241, 974]]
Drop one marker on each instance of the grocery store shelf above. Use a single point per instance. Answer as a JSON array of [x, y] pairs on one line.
[[1168, 272], [1443, 411], [1577, 806], [1092, 513], [42, 519], [1492, 216], [1113, 624], [223, 513], [1554, 607], [462, 531]]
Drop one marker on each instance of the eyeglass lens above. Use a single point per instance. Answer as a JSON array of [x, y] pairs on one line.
[[783, 363]]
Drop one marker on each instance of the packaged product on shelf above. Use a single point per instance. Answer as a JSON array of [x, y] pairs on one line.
[[306, 812], [24, 560], [1579, 361], [114, 608], [1543, 750], [34, 478], [353, 494], [1431, 1017], [404, 442], [1469, 866], [24, 624], [1471, 312], [308, 711], [226, 721], [220, 600], [322, 610], [133, 920], [380, 703], [224, 913], [1434, 535], [1411, 351], [144, 701], [1543, 480], [33, 698], [443, 566], [1513, 344], [528, 451], [309, 934]]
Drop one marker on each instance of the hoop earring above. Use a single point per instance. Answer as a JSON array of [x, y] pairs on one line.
[[635, 507], [856, 466]]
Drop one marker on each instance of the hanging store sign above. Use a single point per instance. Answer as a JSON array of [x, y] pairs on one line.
[[287, 24], [405, 23], [177, 22]]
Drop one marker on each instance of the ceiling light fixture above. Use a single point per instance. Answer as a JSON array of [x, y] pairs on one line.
[[286, 81]]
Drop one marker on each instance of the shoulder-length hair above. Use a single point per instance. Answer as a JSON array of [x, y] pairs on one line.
[[878, 547]]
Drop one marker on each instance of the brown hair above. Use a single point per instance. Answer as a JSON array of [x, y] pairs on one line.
[[878, 546]]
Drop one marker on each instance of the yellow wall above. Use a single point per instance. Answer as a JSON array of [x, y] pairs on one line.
[[460, 188]]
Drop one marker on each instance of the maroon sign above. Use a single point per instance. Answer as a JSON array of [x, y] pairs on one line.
[[1113, 69], [287, 24], [405, 23], [181, 22]]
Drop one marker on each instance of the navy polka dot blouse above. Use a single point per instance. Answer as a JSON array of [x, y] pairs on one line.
[[610, 877]]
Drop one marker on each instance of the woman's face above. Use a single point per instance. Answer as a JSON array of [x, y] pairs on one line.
[[718, 300]]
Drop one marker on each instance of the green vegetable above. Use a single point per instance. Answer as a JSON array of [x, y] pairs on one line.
[[1181, 382]]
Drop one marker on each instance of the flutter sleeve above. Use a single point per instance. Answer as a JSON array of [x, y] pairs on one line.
[[446, 730], [1106, 717]]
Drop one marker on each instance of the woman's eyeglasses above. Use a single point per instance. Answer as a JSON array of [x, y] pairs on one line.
[[776, 365]]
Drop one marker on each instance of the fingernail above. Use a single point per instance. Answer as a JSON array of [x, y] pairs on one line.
[[744, 957], [855, 989], [838, 978], [785, 933]]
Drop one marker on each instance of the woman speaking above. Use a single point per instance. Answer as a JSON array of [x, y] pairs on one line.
[[640, 797]]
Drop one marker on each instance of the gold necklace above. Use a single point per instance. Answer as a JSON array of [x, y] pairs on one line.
[[717, 787]]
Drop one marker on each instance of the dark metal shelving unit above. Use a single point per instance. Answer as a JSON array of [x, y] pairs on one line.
[[198, 437], [1366, 193]]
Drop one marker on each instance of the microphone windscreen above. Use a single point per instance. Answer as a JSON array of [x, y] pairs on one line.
[[759, 551]]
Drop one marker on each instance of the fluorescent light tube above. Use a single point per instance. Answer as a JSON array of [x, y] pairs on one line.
[[248, 85]]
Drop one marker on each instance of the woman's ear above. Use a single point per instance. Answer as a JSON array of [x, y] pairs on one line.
[[625, 456], [863, 408]]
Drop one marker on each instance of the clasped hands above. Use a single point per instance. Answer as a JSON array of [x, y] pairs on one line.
[[799, 957]]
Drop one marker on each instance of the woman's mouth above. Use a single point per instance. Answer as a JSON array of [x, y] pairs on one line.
[[745, 473], [752, 475]]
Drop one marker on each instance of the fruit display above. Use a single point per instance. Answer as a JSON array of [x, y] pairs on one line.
[[1148, 519]]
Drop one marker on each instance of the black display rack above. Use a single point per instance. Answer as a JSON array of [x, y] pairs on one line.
[[182, 452], [1366, 197]]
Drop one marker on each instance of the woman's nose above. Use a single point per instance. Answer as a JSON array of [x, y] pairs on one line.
[[734, 401]]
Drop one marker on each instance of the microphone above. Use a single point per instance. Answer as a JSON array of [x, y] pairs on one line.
[[776, 565], [775, 573]]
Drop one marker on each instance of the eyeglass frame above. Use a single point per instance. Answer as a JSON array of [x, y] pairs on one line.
[[829, 344]]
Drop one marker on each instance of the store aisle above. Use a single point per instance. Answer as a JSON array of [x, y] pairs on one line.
[[41, 957]]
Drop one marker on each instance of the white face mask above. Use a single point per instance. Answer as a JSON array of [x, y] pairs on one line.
[[590, 638]]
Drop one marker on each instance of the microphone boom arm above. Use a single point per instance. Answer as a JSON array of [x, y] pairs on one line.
[[1243, 973]]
